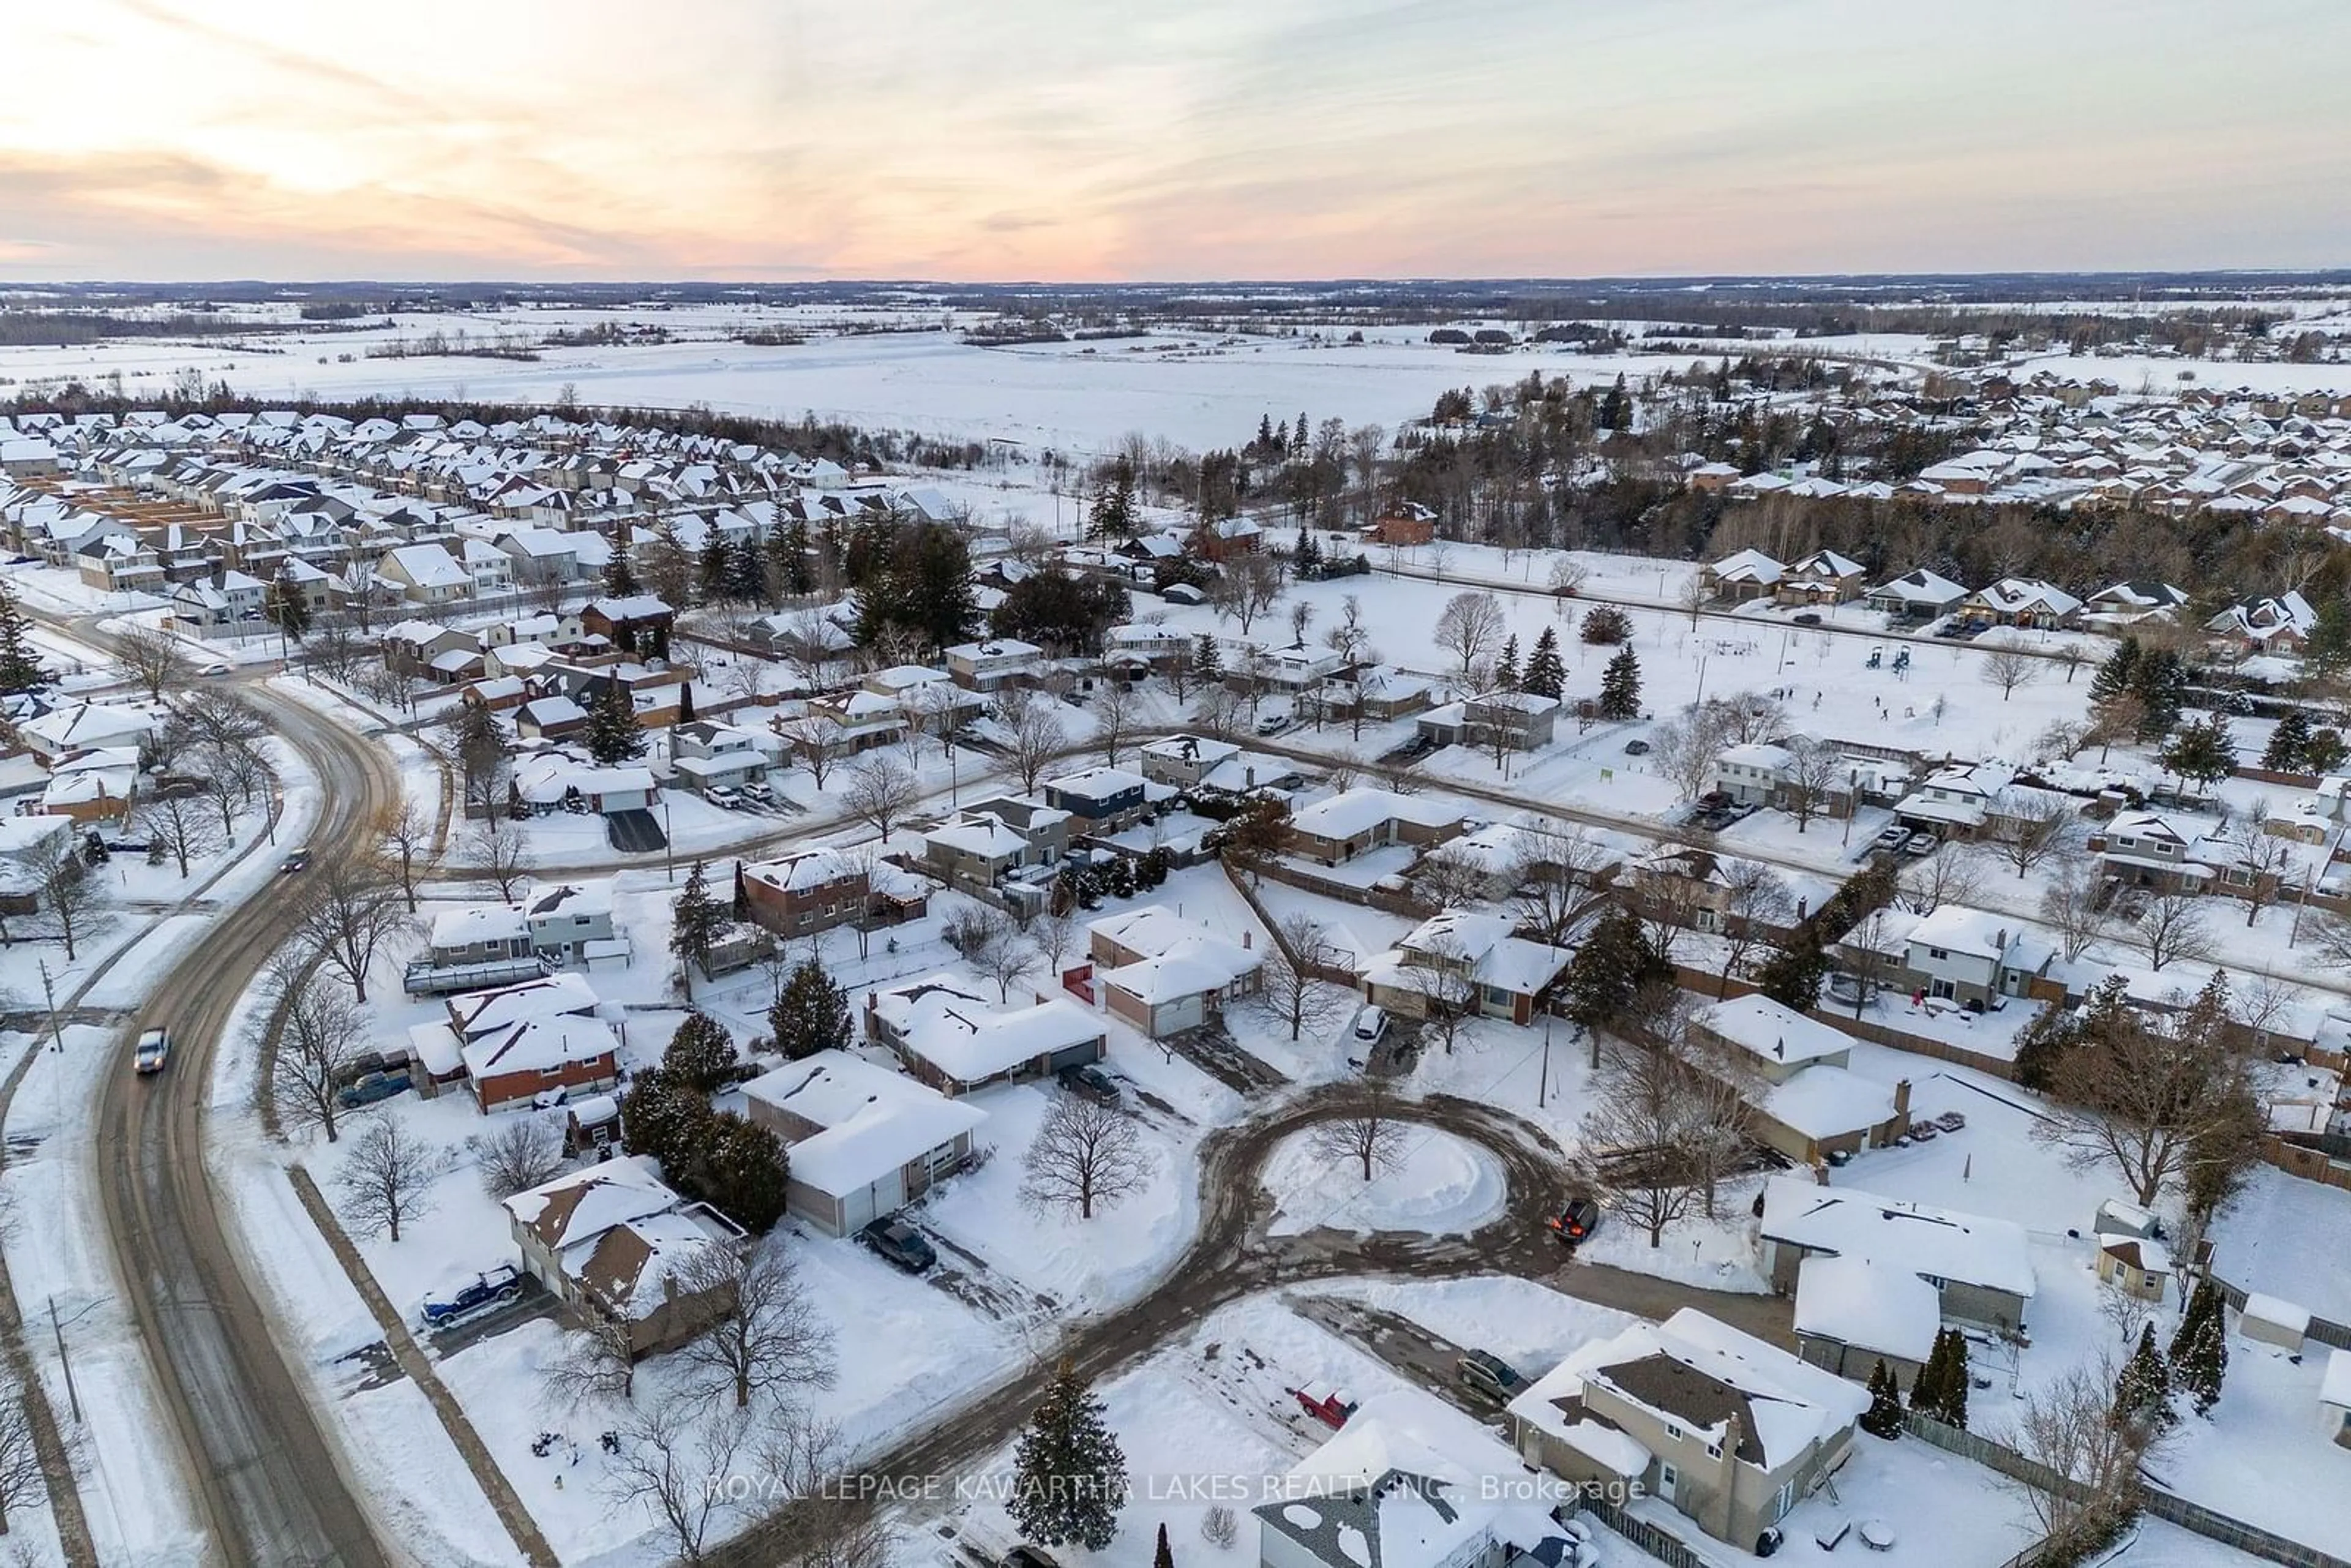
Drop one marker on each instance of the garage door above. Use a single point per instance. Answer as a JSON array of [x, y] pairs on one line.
[[1075, 1056]]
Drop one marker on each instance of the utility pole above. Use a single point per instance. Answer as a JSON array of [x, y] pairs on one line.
[[73, 1395], [1542, 1086], [49, 992]]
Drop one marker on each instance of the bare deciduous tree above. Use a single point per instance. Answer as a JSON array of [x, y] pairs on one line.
[[408, 835], [773, 1344], [1054, 935], [1246, 587], [2140, 1089], [1647, 1116], [386, 1179], [1550, 875], [1450, 876], [184, 824], [24, 1481], [1686, 750], [810, 737], [1368, 1136], [1036, 739], [62, 884], [2009, 668], [596, 1364], [517, 1153], [671, 1464], [1949, 876], [2172, 924], [2068, 1427], [153, 661], [1293, 992], [2025, 827], [1116, 707], [1806, 785], [495, 844], [1084, 1155], [1756, 905], [880, 793], [322, 1035], [2074, 907], [345, 911], [1439, 971], [1468, 628], [824, 1524]]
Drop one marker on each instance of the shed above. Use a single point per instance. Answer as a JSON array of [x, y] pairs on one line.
[[2269, 1320]]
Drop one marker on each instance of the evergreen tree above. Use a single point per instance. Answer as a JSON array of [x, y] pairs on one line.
[[712, 571], [2289, 745], [739, 1168], [699, 922], [700, 1054], [1546, 673], [1113, 514], [1614, 962], [288, 606], [1506, 669], [1607, 623], [662, 1118], [2160, 681], [1068, 1476], [2327, 752], [619, 577], [1207, 663], [1298, 440], [1614, 409], [1620, 686], [1926, 1389], [1161, 1556], [1307, 563], [1883, 1417], [2143, 1391], [20, 661], [2327, 650], [1942, 1390], [2117, 675], [2199, 1350], [811, 1015], [1793, 974], [2202, 752], [788, 560], [745, 579], [612, 734]]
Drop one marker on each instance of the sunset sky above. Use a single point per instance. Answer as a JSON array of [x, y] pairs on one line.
[[1177, 139]]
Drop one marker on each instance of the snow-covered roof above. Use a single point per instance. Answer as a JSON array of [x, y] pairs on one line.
[[2335, 1389], [1774, 1032], [480, 1012], [538, 1045], [579, 1206], [2278, 1312], [947, 1022], [1867, 1304], [467, 927], [1748, 565], [1353, 812], [874, 1120], [1825, 1101], [1921, 587], [1913, 1237], [631, 1266]]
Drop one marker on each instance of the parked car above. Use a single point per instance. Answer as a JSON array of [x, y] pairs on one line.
[[1920, 844], [1326, 1402], [371, 1087], [217, 667], [1372, 1025], [1951, 1120], [450, 1302], [1484, 1373], [757, 792], [1808, 618], [1922, 1132], [1637, 748], [1892, 838], [365, 1063], [1577, 1219], [153, 1050], [1273, 724], [1089, 1083], [899, 1243], [724, 795], [298, 861], [1026, 1557]]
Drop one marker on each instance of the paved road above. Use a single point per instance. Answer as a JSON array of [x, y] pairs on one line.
[[1233, 1256], [265, 1472]]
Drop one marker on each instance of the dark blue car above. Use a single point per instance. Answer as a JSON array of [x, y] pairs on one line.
[[446, 1306], [371, 1088], [899, 1243]]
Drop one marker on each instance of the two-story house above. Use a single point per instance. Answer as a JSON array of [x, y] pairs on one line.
[[1103, 800], [1803, 1099], [609, 1241], [992, 839], [571, 923], [816, 890], [1519, 721], [1969, 957], [1731, 1431], [1165, 974], [992, 665], [1464, 962]]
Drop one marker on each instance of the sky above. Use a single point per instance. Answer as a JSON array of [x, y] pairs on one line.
[[1174, 140]]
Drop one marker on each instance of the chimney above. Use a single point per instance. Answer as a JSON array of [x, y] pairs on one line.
[[1249, 938], [1902, 1099]]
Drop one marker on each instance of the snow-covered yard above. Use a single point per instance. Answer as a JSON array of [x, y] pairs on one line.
[[1438, 1184]]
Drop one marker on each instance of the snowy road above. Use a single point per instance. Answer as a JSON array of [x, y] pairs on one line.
[[264, 1466]]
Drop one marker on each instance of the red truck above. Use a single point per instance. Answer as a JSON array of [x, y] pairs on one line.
[[1326, 1402]]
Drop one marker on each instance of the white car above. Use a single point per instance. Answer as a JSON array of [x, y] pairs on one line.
[[1273, 724], [217, 667], [1372, 1025], [724, 795], [153, 1051]]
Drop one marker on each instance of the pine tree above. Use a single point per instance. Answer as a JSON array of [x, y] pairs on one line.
[[1298, 440], [1546, 674], [1614, 409], [612, 734], [700, 1053], [699, 921], [2160, 681], [747, 572], [711, 570], [1207, 663], [2199, 1350], [1162, 1556], [1620, 686], [1113, 514], [1068, 1476], [1614, 962], [1506, 669], [1947, 1398], [2143, 1391], [2289, 745], [619, 577], [2202, 752], [1793, 974], [2117, 675], [20, 661], [2327, 752], [289, 607], [1883, 1417], [811, 1015], [1926, 1389]]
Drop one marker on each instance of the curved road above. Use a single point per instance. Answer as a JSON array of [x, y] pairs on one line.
[[1233, 1256], [263, 1469]]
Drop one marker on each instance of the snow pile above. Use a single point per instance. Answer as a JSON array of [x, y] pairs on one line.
[[1438, 1184]]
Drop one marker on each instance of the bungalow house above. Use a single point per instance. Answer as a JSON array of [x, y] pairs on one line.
[[66, 731], [1729, 1430], [864, 1141], [637, 623], [1103, 800], [561, 1055], [992, 665], [1165, 974], [1823, 577], [1981, 1269], [1409, 1482], [1852, 1313], [607, 1241], [1916, 596], [477, 935], [1146, 645], [2280, 625], [1372, 692], [979, 847], [1405, 526], [818, 889], [1802, 1098], [542, 784], [1521, 721], [2023, 601], [1745, 575], [1969, 957], [1467, 963], [949, 1036], [1180, 761], [549, 718], [100, 785], [2124, 604], [925, 697], [1337, 829]]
